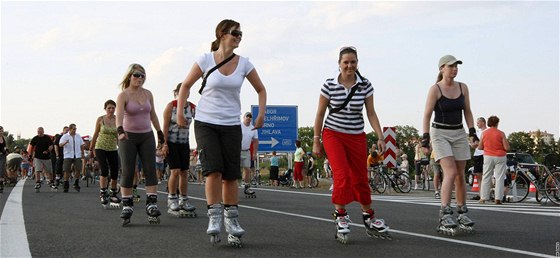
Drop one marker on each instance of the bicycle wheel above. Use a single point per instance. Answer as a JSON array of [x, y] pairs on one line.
[[314, 182], [552, 187], [379, 183], [519, 188], [404, 184]]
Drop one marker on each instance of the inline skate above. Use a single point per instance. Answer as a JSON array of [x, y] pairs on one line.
[[186, 209], [375, 227], [235, 232], [54, 185], [135, 195], [1, 186], [465, 223], [447, 225], [249, 193], [37, 186], [65, 186], [215, 216], [173, 205], [152, 209], [341, 220], [127, 210], [77, 185], [114, 200], [104, 196]]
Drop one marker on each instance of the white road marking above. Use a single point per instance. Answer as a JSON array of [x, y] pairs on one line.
[[13, 237]]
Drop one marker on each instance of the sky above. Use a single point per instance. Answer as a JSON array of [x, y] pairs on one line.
[[60, 61]]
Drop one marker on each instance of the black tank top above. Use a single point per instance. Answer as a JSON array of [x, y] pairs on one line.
[[449, 111]]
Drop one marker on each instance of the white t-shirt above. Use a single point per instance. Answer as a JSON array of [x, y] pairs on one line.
[[73, 148], [220, 102], [478, 152], [248, 135]]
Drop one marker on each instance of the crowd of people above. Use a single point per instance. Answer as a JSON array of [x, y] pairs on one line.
[[124, 143]]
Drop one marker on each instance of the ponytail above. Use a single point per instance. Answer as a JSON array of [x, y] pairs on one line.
[[439, 77], [215, 45]]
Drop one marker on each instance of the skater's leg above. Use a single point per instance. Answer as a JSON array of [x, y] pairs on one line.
[[447, 224], [215, 217], [341, 220], [460, 184], [465, 223]]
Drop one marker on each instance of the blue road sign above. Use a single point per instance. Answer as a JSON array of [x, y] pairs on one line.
[[280, 130]]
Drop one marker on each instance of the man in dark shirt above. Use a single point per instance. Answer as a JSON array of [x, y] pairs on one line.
[[59, 155], [42, 146]]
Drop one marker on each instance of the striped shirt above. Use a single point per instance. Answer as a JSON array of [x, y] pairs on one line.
[[350, 119]]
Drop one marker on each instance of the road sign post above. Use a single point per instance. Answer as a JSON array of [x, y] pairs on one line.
[[280, 129]]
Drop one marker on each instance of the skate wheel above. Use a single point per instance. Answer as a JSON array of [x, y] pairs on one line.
[[234, 241], [125, 222], [342, 238], [154, 220], [214, 239]]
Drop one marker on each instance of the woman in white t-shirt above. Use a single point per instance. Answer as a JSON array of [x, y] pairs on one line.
[[217, 125]]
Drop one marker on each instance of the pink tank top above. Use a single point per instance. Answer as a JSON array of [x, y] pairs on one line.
[[137, 117]]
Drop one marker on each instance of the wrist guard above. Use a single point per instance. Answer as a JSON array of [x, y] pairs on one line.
[[161, 138], [426, 140], [472, 133], [120, 130]]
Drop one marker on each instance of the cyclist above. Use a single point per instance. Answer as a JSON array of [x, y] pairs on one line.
[[310, 168]]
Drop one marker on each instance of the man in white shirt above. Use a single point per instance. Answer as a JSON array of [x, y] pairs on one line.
[[73, 148], [250, 137], [478, 155]]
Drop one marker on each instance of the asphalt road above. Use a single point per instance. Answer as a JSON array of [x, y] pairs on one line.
[[280, 222]]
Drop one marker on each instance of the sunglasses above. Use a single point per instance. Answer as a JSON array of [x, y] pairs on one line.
[[236, 33], [348, 48], [139, 75]]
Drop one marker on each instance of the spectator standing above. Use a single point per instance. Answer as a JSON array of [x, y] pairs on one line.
[[217, 126], [274, 168], [59, 156], [249, 141], [298, 165], [495, 145], [478, 155], [3, 155], [310, 168]]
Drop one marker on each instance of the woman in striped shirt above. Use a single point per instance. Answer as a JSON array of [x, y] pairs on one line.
[[345, 142]]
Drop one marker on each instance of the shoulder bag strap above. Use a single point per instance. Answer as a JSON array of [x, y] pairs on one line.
[[212, 70], [349, 97]]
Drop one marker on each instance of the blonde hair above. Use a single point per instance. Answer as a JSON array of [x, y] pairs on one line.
[[222, 29], [125, 83]]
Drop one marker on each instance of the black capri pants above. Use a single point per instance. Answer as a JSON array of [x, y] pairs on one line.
[[108, 160], [143, 145]]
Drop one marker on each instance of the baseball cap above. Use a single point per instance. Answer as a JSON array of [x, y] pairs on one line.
[[448, 60], [248, 114]]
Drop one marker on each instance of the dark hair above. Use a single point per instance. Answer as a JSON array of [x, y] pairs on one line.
[[222, 28], [347, 50], [482, 119], [109, 102], [177, 89], [298, 143], [493, 121]]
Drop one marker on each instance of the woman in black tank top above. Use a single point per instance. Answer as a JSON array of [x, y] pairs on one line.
[[449, 101]]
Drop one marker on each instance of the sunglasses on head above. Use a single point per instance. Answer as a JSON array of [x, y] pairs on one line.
[[348, 48], [139, 75], [236, 33]]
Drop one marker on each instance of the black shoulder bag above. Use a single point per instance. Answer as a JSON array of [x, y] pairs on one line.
[[349, 97], [212, 70]]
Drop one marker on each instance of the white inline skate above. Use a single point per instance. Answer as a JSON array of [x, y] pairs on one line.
[[215, 218], [235, 232], [375, 227], [127, 210], [341, 220], [186, 210], [447, 224]]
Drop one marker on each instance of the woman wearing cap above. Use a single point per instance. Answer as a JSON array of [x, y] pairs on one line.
[[449, 101], [217, 125], [345, 142]]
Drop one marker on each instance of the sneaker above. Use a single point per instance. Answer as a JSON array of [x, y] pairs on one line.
[[476, 198], [437, 196], [498, 202], [416, 187], [482, 201]]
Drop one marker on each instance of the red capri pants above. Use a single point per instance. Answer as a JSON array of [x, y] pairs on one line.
[[298, 171], [348, 159]]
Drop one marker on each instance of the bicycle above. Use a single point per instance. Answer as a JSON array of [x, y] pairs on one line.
[[546, 183], [382, 177], [315, 175]]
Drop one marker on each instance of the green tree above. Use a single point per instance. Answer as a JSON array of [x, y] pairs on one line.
[[521, 142]]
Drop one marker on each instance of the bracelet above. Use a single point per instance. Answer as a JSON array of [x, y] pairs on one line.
[[316, 136]]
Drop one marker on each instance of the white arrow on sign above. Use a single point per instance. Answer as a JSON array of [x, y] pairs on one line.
[[272, 142]]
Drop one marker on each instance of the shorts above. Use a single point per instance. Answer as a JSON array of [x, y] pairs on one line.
[[44, 165], [67, 165], [450, 143], [219, 149], [24, 165], [245, 159], [178, 156], [159, 166], [273, 173], [436, 167], [478, 162]]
